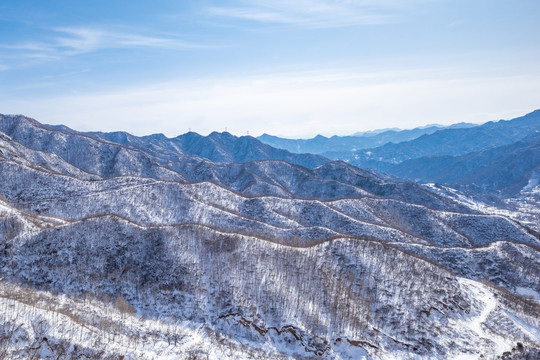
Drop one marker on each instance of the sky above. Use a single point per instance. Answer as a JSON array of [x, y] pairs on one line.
[[288, 68]]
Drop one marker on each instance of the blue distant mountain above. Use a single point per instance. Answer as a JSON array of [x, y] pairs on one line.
[[358, 141], [444, 142], [506, 169]]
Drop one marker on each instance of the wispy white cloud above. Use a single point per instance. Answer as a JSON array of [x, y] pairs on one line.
[[68, 41], [456, 23], [66, 74], [83, 39], [318, 13], [4, 67]]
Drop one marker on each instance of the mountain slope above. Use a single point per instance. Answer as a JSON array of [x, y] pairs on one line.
[[507, 169], [245, 288], [105, 159], [332, 200], [263, 259]]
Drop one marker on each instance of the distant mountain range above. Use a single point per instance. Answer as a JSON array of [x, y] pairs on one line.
[[498, 157], [429, 126], [507, 169], [105, 156], [445, 142], [216, 147], [321, 144]]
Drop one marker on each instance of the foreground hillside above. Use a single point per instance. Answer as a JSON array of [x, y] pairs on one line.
[[112, 247]]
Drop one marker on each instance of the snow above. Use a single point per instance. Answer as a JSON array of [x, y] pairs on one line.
[[477, 323], [134, 337], [528, 293], [533, 331], [533, 183], [253, 260]]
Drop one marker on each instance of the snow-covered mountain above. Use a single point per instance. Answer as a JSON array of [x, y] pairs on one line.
[[217, 147], [496, 158], [114, 245], [446, 142], [508, 169]]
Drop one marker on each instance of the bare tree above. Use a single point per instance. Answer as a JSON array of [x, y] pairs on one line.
[[7, 332]]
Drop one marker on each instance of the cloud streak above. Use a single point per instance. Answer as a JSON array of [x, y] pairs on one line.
[[70, 41], [318, 13], [76, 40]]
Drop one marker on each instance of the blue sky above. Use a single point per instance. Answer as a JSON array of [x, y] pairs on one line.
[[291, 68]]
